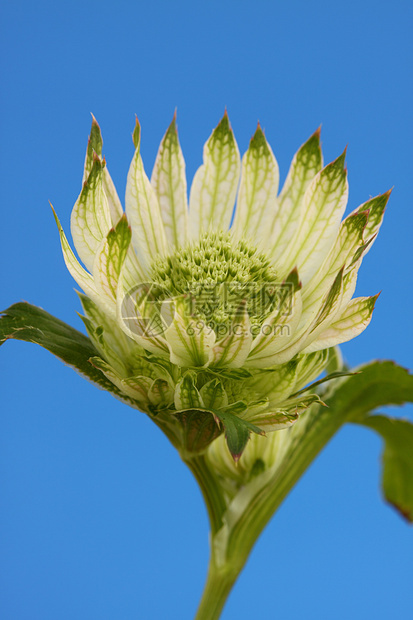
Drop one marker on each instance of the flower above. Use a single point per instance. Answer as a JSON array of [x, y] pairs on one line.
[[211, 309]]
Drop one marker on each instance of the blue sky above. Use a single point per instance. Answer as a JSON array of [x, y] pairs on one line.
[[99, 518]]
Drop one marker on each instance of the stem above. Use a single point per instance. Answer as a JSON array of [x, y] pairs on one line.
[[217, 588], [210, 488], [233, 538]]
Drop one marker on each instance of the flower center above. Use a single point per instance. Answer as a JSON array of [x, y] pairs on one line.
[[218, 276]]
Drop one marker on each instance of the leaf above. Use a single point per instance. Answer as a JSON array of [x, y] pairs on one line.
[[214, 187], [22, 321], [169, 182], [378, 384], [199, 429], [237, 430], [397, 480]]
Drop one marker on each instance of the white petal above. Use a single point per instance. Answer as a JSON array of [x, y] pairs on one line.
[[142, 209], [214, 187], [324, 203], [78, 273], [306, 164], [169, 182], [90, 221], [233, 349], [350, 324], [257, 197], [190, 340], [109, 261]]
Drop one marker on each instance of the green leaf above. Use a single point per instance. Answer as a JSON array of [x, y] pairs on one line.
[[199, 429], [214, 187], [22, 321], [237, 431], [397, 478]]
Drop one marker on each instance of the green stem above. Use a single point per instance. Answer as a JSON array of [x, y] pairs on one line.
[[210, 488], [233, 537], [217, 588], [237, 521]]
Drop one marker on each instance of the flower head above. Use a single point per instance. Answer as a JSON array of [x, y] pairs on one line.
[[207, 308]]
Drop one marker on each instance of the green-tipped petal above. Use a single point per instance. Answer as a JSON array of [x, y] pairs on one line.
[[277, 420], [114, 203], [311, 366], [145, 330], [276, 384], [214, 187], [169, 182], [375, 207], [187, 395], [232, 350], [307, 162], [349, 239], [213, 395], [94, 146], [133, 391], [257, 196], [348, 242], [278, 330], [78, 273], [323, 205], [142, 209], [161, 394], [109, 260], [329, 310], [107, 336], [190, 340], [350, 324], [90, 221]]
